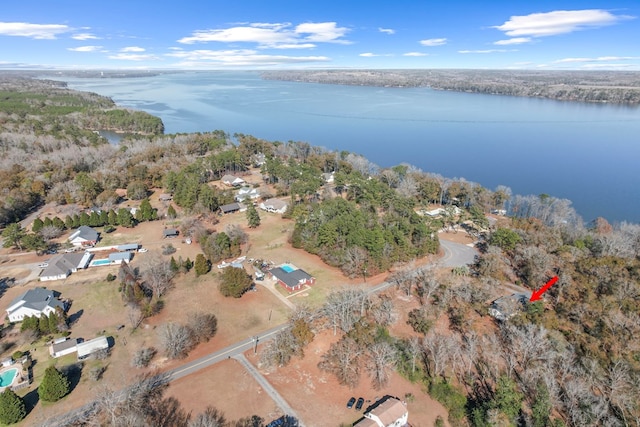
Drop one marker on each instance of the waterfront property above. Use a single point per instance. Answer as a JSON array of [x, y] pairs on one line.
[[290, 277], [34, 302]]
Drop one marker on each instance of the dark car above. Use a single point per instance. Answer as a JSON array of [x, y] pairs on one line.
[[351, 402], [359, 404]]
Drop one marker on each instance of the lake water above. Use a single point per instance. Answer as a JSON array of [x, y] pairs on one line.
[[587, 153]]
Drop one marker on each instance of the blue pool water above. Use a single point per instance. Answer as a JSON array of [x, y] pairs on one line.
[[287, 268], [7, 377], [101, 262]]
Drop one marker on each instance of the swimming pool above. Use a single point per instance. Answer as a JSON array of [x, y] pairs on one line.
[[100, 262], [7, 377], [287, 268]]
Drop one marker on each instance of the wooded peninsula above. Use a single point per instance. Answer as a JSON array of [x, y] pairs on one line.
[[615, 87]]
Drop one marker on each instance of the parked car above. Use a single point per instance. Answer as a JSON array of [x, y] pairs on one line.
[[351, 402], [70, 250], [359, 403], [143, 250], [43, 265]]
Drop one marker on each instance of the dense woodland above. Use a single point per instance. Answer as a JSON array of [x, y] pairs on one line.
[[617, 87], [572, 359]]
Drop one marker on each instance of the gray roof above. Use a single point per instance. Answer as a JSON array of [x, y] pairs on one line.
[[86, 233], [128, 247], [64, 345], [62, 264], [231, 207], [37, 299], [170, 232], [291, 279], [276, 204], [115, 256]]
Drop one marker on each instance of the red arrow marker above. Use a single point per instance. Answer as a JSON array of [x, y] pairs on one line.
[[537, 294]]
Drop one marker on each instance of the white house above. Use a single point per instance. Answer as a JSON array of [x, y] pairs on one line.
[[85, 349], [247, 193], [84, 236], [274, 205], [232, 181], [62, 347], [62, 265], [34, 302], [391, 412], [120, 257]]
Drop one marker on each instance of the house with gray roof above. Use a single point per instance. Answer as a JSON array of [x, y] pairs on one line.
[[62, 265], [291, 278], [63, 347], [34, 302], [232, 207], [84, 236], [120, 257]]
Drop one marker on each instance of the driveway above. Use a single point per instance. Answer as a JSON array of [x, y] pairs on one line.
[[457, 254]]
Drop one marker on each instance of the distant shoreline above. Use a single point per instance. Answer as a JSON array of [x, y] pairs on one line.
[[606, 87]]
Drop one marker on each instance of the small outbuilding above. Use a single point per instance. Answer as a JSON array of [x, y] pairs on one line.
[[62, 347], [169, 233], [120, 257]]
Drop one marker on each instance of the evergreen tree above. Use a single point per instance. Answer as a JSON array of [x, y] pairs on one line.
[[188, 264], [94, 219], [43, 324], [54, 385], [252, 216], [112, 218], [68, 222], [37, 225], [13, 235], [234, 282], [104, 217], [47, 222], [147, 213], [171, 212], [174, 265], [58, 223], [76, 221], [125, 218], [53, 320], [85, 219], [12, 407], [202, 265]]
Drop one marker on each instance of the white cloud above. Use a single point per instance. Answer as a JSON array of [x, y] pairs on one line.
[[598, 59], [487, 51], [387, 31], [516, 40], [34, 31], [84, 36], [238, 57], [414, 54], [557, 22], [371, 55], [134, 57], [433, 42], [85, 48], [132, 49], [273, 35]]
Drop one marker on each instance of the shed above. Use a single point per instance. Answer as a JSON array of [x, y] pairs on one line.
[[170, 232], [128, 247], [86, 348]]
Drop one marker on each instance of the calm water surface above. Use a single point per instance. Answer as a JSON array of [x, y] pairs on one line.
[[584, 152]]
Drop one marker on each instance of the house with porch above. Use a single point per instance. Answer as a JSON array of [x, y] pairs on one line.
[[84, 236], [274, 206], [34, 302], [62, 265]]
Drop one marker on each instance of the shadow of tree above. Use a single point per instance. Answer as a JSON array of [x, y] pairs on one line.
[[73, 373], [73, 318], [31, 399]]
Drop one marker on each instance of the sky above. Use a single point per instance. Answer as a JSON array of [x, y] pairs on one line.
[[321, 34]]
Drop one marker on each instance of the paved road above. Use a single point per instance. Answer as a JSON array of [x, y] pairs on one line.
[[272, 392], [231, 351], [457, 254]]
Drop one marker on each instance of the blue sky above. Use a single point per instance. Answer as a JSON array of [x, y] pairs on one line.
[[260, 34]]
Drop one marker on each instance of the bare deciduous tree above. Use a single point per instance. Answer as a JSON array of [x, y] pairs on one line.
[[157, 275], [203, 326], [176, 340], [342, 359], [211, 417], [382, 358]]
